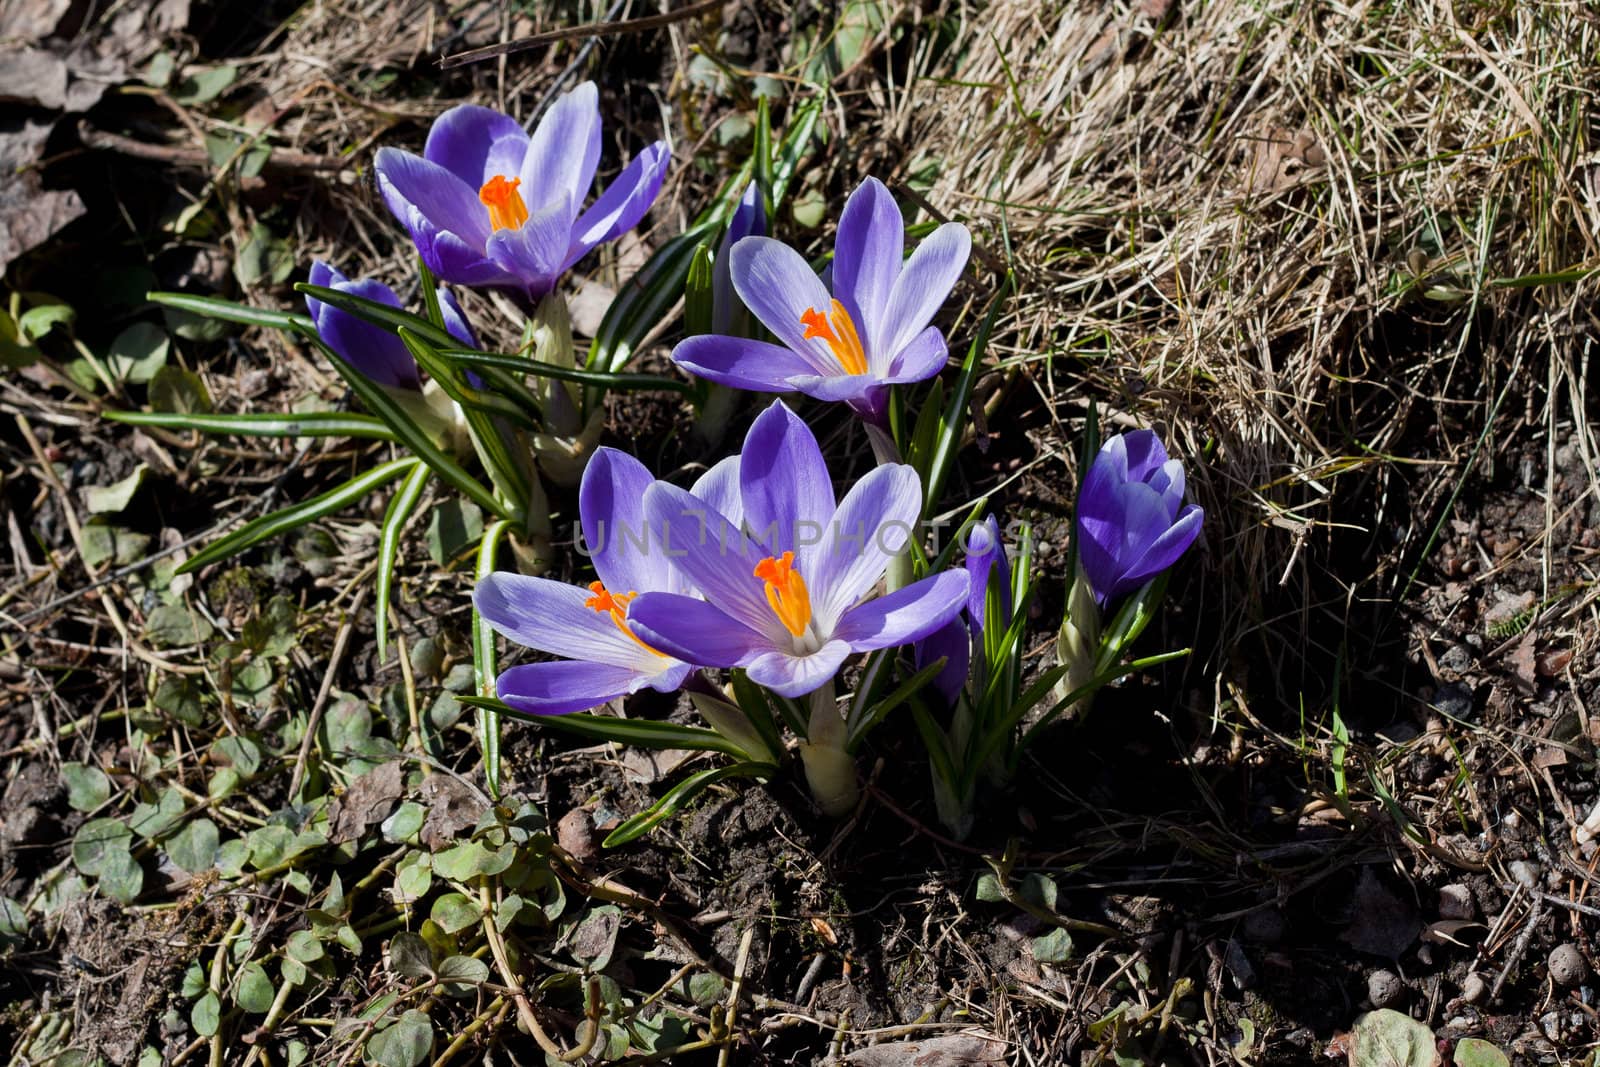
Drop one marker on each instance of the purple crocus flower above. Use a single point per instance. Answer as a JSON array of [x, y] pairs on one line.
[[487, 204], [605, 655], [372, 350], [1132, 522], [749, 220], [851, 344], [786, 572]]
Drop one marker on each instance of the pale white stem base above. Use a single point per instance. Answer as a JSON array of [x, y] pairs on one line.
[[830, 770]]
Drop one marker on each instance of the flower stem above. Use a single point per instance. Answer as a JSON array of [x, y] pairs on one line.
[[830, 770]]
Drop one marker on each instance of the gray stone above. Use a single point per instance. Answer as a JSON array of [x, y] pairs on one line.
[[1455, 700], [1567, 966], [1455, 902], [1385, 989]]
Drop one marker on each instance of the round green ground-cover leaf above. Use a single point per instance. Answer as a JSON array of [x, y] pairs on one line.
[[405, 1044], [304, 946], [241, 752], [1387, 1038], [463, 973], [87, 786], [454, 913], [194, 848], [1476, 1052], [13, 921], [97, 841], [207, 1015], [255, 992], [409, 956]]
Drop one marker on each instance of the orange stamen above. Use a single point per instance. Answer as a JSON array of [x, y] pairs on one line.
[[506, 209], [617, 604], [838, 331], [786, 592]]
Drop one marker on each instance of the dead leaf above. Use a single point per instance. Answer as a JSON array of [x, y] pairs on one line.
[[651, 765], [1524, 665], [1279, 159], [452, 808], [1443, 932], [29, 214], [951, 1050], [1384, 924], [31, 21], [34, 77], [368, 801]]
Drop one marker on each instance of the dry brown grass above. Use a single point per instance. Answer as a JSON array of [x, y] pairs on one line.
[[1290, 235]]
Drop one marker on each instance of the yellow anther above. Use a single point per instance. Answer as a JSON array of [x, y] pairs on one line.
[[506, 209], [786, 592], [617, 604], [838, 331]]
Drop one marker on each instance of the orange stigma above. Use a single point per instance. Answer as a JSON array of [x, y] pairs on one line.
[[786, 592], [839, 333], [506, 209], [617, 605]]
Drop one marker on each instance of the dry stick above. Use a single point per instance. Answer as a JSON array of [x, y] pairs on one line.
[[281, 159], [565, 33], [1519, 948], [340, 644]]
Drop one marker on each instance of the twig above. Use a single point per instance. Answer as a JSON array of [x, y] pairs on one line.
[[566, 33]]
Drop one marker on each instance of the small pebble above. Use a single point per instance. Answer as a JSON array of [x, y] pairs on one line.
[[1524, 872], [1385, 989], [1454, 700], [1567, 966], [1457, 659], [1550, 1023], [1473, 987], [1265, 926], [1455, 902], [575, 833]]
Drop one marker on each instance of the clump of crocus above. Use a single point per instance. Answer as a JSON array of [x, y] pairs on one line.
[[592, 628], [372, 350], [870, 332], [788, 575], [489, 205], [1132, 521], [954, 642]]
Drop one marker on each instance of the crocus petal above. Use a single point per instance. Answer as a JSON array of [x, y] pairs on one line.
[[867, 252], [716, 556], [794, 676], [611, 506], [455, 320], [872, 525], [733, 361], [448, 203], [694, 631], [532, 252], [778, 286], [951, 642], [835, 388], [471, 142], [719, 488], [749, 220], [784, 482], [622, 205], [372, 350], [923, 285], [1143, 454], [1169, 481], [1163, 552], [563, 152], [564, 687], [985, 550], [1118, 532], [552, 617], [920, 360], [905, 615]]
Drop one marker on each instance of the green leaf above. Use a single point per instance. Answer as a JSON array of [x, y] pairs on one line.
[[644, 733], [179, 696], [180, 392], [1476, 1052], [152, 821], [13, 922], [87, 786], [464, 970], [988, 889], [298, 424], [243, 754], [404, 824], [207, 1015], [297, 515], [293, 971], [649, 295], [454, 912], [121, 877], [108, 499], [593, 938], [1388, 1038], [204, 86], [407, 1043], [175, 625], [38, 321], [413, 877], [211, 307], [679, 795], [483, 665], [194, 848], [138, 352], [955, 419], [104, 543], [462, 862], [698, 310], [456, 525], [255, 992], [401, 507], [304, 946], [263, 257], [1054, 947], [409, 956]]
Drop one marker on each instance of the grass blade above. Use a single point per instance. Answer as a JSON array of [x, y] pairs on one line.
[[675, 798], [284, 519], [401, 506], [301, 424], [643, 733], [954, 422], [484, 667], [499, 361], [229, 311]]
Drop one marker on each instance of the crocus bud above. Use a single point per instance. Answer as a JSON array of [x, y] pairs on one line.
[[1078, 643], [1132, 521]]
